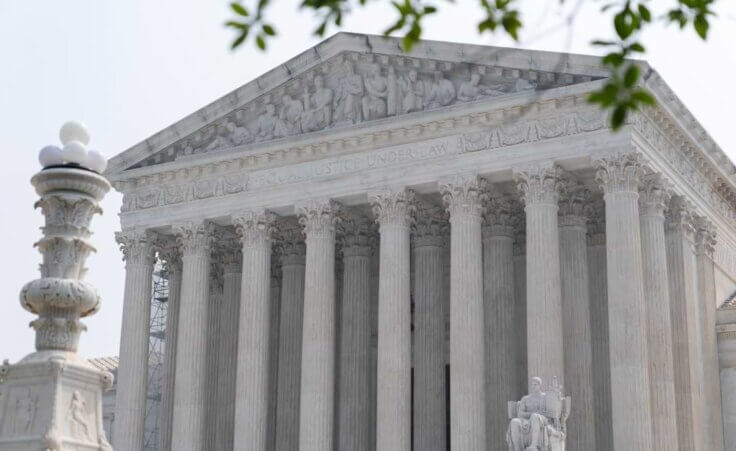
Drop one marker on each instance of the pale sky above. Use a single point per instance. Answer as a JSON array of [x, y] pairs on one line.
[[130, 68]]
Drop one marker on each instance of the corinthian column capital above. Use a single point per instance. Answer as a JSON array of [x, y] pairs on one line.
[[539, 184], [290, 239], [705, 236], [500, 216], [654, 195], [254, 227], [137, 245], [318, 216], [430, 226], [679, 216], [620, 172], [357, 234], [194, 237], [232, 257], [464, 195], [596, 221], [170, 253], [393, 206], [574, 206]]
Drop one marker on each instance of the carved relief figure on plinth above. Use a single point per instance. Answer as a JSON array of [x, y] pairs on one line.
[[538, 420], [472, 89], [348, 106], [25, 411], [441, 91], [78, 416], [317, 107], [376, 87]]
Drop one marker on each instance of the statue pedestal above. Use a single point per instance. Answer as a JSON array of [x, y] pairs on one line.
[[52, 400]]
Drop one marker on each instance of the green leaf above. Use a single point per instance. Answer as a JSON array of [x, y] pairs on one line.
[[260, 42], [631, 76], [239, 40], [239, 9], [238, 25], [623, 24], [701, 26], [645, 14], [636, 47], [613, 59], [604, 43], [618, 118], [269, 30], [643, 97]]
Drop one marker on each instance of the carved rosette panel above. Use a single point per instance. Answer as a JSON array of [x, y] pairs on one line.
[[69, 200], [705, 236], [574, 206], [500, 216], [464, 195], [255, 227], [431, 225], [680, 216], [319, 217], [654, 194], [194, 238], [540, 185], [393, 207], [620, 173]]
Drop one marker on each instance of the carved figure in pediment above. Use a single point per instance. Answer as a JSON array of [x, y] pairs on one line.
[[472, 89], [289, 122], [265, 125], [392, 99], [78, 416], [348, 96], [538, 420], [413, 92], [441, 91], [317, 107], [376, 88], [238, 135], [221, 138], [25, 412]]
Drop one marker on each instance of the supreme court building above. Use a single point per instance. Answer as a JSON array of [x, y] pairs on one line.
[[370, 249]]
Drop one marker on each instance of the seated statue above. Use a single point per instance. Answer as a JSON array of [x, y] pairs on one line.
[[538, 421]]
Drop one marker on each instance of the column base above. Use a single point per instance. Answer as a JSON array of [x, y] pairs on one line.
[[52, 400]]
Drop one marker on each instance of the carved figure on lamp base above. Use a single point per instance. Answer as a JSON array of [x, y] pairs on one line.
[[538, 420]]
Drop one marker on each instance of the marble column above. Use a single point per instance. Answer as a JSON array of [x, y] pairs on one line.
[[576, 317], [191, 361], [130, 402], [354, 401], [502, 381], [726, 331], [228, 349], [539, 188], [172, 258], [393, 211], [273, 352], [252, 377], [705, 241], [520, 296], [599, 324], [317, 400], [653, 198], [619, 177], [685, 331], [292, 251], [430, 404], [214, 307], [464, 197]]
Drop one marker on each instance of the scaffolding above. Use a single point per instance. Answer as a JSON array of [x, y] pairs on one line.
[[159, 307]]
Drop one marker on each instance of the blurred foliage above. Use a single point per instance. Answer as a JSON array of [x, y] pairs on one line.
[[622, 93]]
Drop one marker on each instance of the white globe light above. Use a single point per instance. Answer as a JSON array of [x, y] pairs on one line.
[[74, 131], [50, 156], [74, 152], [95, 161]]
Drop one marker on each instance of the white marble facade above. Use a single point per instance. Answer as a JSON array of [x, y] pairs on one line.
[[376, 250]]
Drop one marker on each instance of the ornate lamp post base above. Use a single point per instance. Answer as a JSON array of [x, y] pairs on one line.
[[52, 399]]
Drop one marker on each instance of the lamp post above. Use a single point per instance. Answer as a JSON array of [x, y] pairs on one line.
[[52, 399]]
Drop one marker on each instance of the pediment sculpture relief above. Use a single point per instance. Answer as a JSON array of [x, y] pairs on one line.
[[357, 88], [538, 420]]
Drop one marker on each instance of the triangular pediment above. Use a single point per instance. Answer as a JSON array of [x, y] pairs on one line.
[[352, 79]]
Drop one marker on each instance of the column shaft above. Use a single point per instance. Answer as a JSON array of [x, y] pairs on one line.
[[130, 408], [354, 412], [191, 361], [576, 324], [685, 330], [252, 382], [173, 263], [464, 197], [290, 341], [317, 403], [214, 308], [726, 330], [627, 318], [393, 390], [430, 405], [540, 190], [653, 199], [273, 353], [502, 381], [228, 351]]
